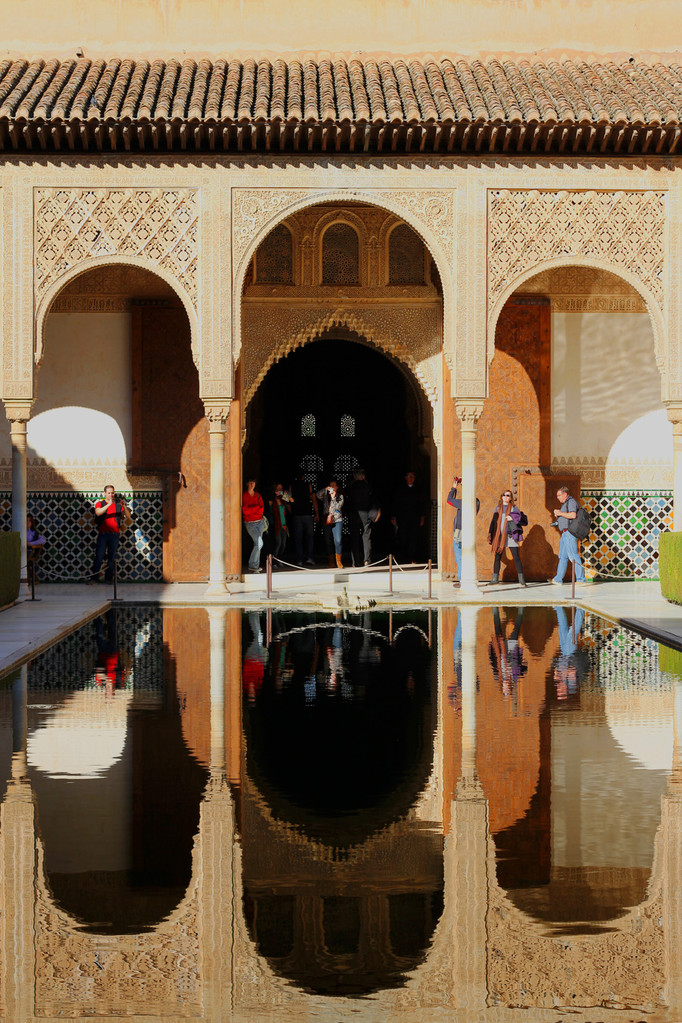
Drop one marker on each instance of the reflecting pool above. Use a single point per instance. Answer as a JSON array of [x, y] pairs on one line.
[[422, 815]]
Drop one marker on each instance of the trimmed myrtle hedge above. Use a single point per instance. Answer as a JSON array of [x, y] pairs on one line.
[[670, 566], [10, 567]]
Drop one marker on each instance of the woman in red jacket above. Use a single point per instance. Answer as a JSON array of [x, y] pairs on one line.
[[252, 510]]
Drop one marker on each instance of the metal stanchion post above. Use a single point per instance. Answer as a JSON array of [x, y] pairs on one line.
[[268, 577], [268, 627], [429, 628], [32, 570], [390, 573], [430, 583], [390, 626], [573, 580], [116, 580]]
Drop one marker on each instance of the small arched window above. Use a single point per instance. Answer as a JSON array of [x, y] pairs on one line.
[[405, 256], [308, 425], [275, 258], [340, 255], [347, 425]]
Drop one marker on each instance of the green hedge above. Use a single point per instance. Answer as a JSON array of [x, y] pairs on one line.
[[670, 566], [10, 567]]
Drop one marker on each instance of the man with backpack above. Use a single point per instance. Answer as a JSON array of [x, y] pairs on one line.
[[570, 520]]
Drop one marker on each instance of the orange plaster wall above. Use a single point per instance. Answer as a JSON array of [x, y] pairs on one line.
[[514, 429]]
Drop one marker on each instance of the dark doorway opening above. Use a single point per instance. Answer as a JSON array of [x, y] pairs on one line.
[[329, 408]]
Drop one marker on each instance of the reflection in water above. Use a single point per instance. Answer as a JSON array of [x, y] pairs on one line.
[[222, 815]]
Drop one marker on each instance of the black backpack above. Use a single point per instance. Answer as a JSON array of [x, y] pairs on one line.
[[580, 527]]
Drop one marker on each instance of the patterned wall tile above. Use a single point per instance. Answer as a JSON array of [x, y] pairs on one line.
[[626, 526], [67, 522]]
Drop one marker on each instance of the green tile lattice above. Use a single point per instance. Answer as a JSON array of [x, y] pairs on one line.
[[626, 525]]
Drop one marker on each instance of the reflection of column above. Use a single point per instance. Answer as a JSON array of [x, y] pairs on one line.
[[18, 416], [469, 414], [17, 873], [675, 417], [216, 622], [217, 415], [671, 835], [466, 871]]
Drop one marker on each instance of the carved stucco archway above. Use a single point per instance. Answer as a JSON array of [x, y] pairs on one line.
[[619, 231], [62, 281], [566, 262], [255, 212]]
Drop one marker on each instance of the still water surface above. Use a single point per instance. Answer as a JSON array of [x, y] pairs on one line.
[[418, 815]]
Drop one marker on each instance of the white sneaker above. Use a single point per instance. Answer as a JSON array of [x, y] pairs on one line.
[[555, 582]]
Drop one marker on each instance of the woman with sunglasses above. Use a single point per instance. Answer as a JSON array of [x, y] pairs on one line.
[[506, 530]]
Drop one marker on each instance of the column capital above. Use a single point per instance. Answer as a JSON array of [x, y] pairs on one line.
[[17, 411], [674, 410], [469, 412], [217, 412]]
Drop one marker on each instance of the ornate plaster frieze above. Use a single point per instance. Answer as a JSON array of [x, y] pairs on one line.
[[217, 413], [79, 476], [432, 207], [622, 230], [413, 336], [159, 225], [615, 474]]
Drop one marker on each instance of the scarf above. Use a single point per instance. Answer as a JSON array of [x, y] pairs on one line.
[[500, 538]]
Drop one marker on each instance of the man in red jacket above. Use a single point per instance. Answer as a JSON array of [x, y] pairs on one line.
[[252, 510], [108, 513]]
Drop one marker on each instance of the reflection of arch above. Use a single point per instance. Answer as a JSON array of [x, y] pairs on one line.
[[559, 262], [391, 202], [93, 263]]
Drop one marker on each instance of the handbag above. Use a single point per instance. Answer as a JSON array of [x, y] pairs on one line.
[[330, 519], [266, 524]]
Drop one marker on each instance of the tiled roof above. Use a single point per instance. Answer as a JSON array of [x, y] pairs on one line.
[[343, 104]]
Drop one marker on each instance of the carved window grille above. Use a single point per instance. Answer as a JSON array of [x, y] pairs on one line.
[[308, 425], [347, 426], [344, 467], [340, 255], [275, 258], [312, 466], [405, 256]]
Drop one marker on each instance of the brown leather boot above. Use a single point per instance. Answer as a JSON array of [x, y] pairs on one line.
[[339, 562]]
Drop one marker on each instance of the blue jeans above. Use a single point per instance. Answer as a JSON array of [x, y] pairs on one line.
[[566, 631], [255, 531], [332, 537], [568, 551], [457, 544], [107, 543]]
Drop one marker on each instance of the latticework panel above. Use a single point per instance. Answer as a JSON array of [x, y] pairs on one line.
[[67, 522], [340, 255], [626, 526], [405, 256], [275, 258]]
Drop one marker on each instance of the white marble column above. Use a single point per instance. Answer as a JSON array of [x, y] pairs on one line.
[[217, 416], [675, 417], [469, 413], [18, 416]]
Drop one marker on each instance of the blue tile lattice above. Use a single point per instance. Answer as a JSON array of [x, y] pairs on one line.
[[67, 522], [626, 525]]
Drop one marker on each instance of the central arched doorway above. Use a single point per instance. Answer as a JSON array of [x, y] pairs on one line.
[[333, 406]]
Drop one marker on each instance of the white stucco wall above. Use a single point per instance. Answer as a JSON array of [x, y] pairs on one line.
[[606, 390], [83, 409]]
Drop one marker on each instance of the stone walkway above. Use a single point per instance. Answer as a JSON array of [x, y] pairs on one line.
[[29, 627]]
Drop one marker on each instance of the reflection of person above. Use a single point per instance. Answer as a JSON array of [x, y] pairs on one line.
[[108, 512], [254, 523], [255, 659], [332, 518], [567, 667], [506, 530], [279, 511], [568, 545], [408, 518], [506, 655], [362, 511], [456, 502], [305, 516], [109, 670]]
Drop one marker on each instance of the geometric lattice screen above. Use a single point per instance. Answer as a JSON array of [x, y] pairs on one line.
[[67, 522], [626, 525]]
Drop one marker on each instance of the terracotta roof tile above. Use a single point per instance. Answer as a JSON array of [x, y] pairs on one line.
[[363, 102]]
